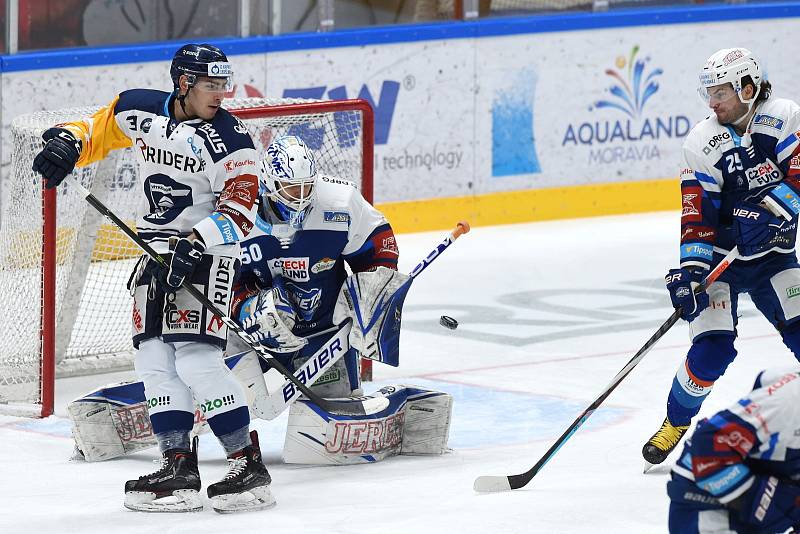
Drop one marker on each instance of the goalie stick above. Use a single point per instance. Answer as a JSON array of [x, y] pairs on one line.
[[489, 483], [340, 407], [337, 345]]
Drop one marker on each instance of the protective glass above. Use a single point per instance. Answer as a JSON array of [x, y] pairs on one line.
[[214, 85], [716, 93]]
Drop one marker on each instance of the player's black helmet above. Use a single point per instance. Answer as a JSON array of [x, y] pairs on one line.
[[199, 60]]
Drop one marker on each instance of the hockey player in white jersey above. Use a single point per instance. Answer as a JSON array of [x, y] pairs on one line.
[[740, 471], [740, 181], [200, 181]]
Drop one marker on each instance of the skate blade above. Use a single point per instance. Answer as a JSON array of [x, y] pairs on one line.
[[647, 467], [259, 498], [185, 500]]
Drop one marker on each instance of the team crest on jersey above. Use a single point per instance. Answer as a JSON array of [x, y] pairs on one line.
[[305, 300], [166, 198], [691, 204], [323, 265], [295, 269], [336, 217]]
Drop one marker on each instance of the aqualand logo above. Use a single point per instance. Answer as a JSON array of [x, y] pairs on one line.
[[634, 84]]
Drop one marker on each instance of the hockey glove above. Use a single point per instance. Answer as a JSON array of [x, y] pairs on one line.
[[269, 318], [757, 229], [681, 284], [58, 157], [186, 255], [770, 505]]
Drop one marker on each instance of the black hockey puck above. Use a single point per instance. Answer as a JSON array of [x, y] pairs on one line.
[[448, 322]]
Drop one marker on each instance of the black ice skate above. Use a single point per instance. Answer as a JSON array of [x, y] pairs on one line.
[[246, 486], [662, 443], [173, 488]]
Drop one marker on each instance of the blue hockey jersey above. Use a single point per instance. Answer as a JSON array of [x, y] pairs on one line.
[[340, 228]]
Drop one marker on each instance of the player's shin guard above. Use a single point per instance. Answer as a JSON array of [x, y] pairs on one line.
[[246, 485], [707, 360], [174, 487]]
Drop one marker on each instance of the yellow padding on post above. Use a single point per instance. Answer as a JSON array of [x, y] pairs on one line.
[[534, 205]]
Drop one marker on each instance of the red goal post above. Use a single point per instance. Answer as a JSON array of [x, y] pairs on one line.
[[63, 301]]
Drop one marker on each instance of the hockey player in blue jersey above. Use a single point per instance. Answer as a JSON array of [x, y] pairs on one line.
[[200, 185], [740, 181], [740, 470], [309, 226]]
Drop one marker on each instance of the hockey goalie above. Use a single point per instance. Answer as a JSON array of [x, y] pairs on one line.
[[294, 296]]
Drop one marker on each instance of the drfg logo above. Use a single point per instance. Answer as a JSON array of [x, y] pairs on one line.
[[384, 112]]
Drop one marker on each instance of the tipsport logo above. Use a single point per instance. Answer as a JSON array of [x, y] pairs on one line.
[[631, 132], [348, 124]]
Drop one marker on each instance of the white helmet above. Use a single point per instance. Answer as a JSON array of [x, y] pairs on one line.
[[731, 65], [288, 174]]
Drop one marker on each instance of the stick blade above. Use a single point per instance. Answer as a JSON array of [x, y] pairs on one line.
[[491, 484]]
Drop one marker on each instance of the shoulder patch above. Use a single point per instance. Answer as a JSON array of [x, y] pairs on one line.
[[768, 120], [224, 135], [336, 217], [149, 100]]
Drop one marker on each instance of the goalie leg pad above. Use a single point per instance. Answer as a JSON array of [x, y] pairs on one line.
[[113, 421], [341, 380], [246, 367], [317, 437]]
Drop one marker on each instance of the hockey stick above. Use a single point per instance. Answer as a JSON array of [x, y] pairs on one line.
[[337, 346], [341, 407], [488, 483]]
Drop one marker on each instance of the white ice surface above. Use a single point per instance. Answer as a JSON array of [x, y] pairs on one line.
[[549, 313]]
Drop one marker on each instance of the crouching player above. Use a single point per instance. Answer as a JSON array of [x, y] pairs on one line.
[[293, 290], [740, 471]]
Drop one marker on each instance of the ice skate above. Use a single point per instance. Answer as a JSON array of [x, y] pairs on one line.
[[656, 450], [173, 488], [246, 485]]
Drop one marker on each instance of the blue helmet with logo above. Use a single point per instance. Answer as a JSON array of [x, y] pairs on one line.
[[199, 60]]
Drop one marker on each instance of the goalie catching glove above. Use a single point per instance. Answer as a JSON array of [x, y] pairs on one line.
[[374, 302], [269, 318]]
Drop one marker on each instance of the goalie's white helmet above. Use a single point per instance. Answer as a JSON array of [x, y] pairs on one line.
[[731, 65], [288, 175]]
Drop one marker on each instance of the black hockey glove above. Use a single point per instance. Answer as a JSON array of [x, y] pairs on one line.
[[186, 255], [757, 229], [681, 284], [58, 157]]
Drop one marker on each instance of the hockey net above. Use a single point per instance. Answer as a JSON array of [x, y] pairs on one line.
[[64, 306]]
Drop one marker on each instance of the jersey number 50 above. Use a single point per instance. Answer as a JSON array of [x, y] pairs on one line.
[[251, 253]]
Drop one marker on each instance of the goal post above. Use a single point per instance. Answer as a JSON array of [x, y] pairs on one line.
[[64, 305]]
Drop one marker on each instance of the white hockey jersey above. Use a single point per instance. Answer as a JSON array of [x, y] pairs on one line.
[[758, 434], [721, 168], [196, 175]]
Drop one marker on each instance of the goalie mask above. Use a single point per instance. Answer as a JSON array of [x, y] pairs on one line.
[[730, 66], [288, 176]]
